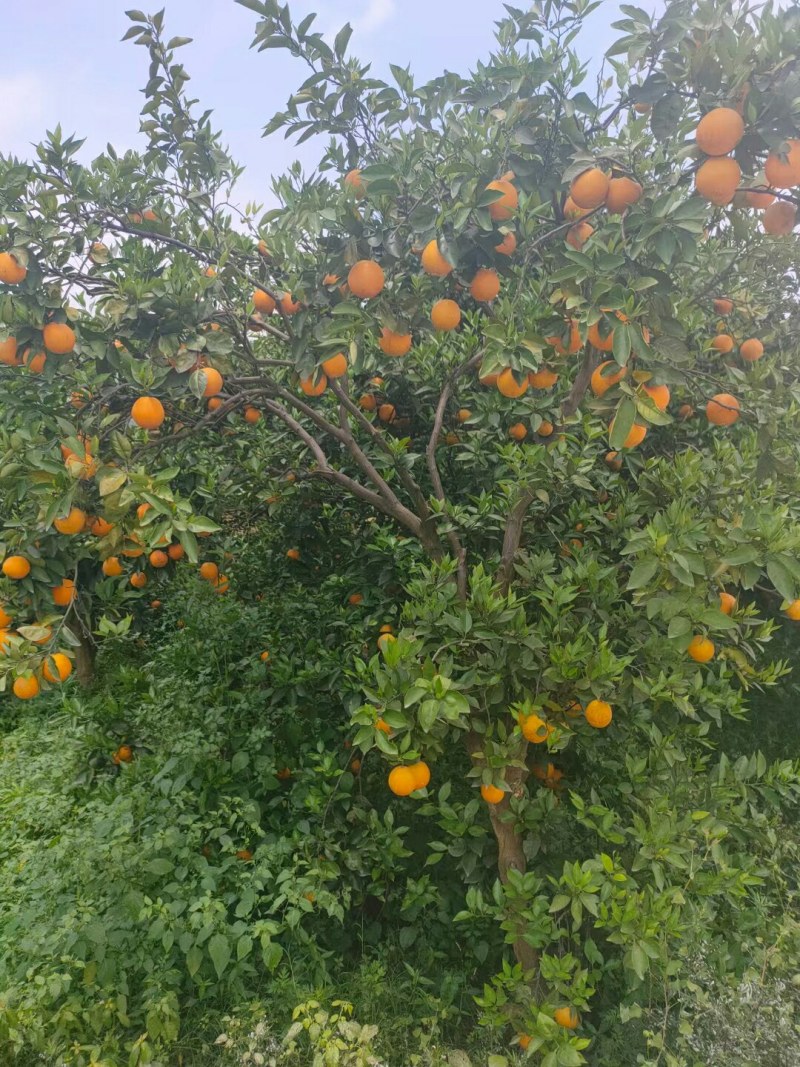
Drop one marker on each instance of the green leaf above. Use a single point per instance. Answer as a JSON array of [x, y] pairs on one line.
[[109, 480], [782, 578], [427, 714], [623, 421], [194, 958], [642, 573], [219, 950], [679, 627]]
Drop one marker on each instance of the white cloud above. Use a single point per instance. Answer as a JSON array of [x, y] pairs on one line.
[[24, 98], [377, 12]]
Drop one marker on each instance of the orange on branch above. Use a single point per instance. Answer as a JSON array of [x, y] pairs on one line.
[[659, 394], [73, 523], [252, 415], [336, 366], [64, 594], [723, 343], [622, 194], [445, 315], [485, 285], [590, 188], [779, 219], [793, 611], [722, 305], [535, 729], [394, 344], [508, 385], [58, 338], [751, 350], [543, 378], [578, 235], [138, 580], [727, 602], [57, 668], [148, 412], [719, 131], [717, 180], [491, 794], [605, 376], [112, 567], [402, 781], [502, 209], [314, 386], [700, 649], [366, 279], [26, 687], [263, 302], [507, 246], [722, 409], [433, 262], [158, 559], [12, 272], [8, 352], [354, 182], [213, 380], [598, 713], [782, 171], [518, 432], [567, 1017], [289, 306]]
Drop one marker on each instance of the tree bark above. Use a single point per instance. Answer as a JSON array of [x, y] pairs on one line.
[[85, 655]]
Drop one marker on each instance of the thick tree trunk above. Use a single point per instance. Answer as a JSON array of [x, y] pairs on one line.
[[85, 654]]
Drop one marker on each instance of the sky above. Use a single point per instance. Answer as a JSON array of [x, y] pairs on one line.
[[76, 71]]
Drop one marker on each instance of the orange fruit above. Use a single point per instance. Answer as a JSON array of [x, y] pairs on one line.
[[57, 668], [366, 279], [485, 285], [133, 548], [176, 552], [394, 344], [685, 411], [727, 602], [367, 402], [635, 437], [722, 409], [758, 199], [489, 379], [5, 618], [589, 189], [604, 343], [354, 182], [112, 567], [598, 713], [158, 559], [252, 415], [148, 412], [422, 774], [264, 656], [355, 598], [16, 567], [244, 854], [383, 726], [222, 584], [330, 279], [12, 271], [604, 378], [263, 250], [578, 235], [659, 394], [64, 594], [58, 338], [491, 794], [719, 131], [336, 366], [718, 179], [779, 218], [213, 380], [34, 363], [572, 211], [445, 315], [433, 262], [263, 302], [722, 305], [524, 1040], [312, 387], [507, 246], [508, 385], [793, 611], [402, 781], [100, 527], [567, 1017], [545, 428], [535, 729], [751, 350], [386, 412], [451, 438], [138, 580], [209, 571], [622, 194], [72, 523], [700, 649], [502, 209], [293, 553], [214, 403], [518, 432], [723, 342], [463, 414], [289, 306], [575, 344], [784, 173], [8, 352], [543, 378], [142, 510], [26, 687], [155, 604]]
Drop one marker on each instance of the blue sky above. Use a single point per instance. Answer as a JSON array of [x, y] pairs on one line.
[[65, 63]]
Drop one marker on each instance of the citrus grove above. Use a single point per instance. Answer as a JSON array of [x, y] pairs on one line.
[[531, 344]]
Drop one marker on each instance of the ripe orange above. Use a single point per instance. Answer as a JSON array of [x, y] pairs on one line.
[[402, 781], [723, 342], [355, 598], [387, 628], [336, 366], [383, 726], [784, 174], [100, 527], [488, 379], [386, 412], [722, 409], [209, 571], [16, 567], [598, 713], [659, 394], [507, 246], [366, 279], [142, 510], [112, 567], [727, 602], [222, 584], [12, 271], [718, 179], [779, 218], [590, 188], [330, 279], [433, 262], [502, 209], [751, 350], [58, 338], [572, 211], [463, 414], [719, 131], [367, 402], [312, 387], [289, 306], [545, 428], [394, 344], [34, 363], [524, 1040], [604, 377], [422, 774], [158, 559], [148, 412], [64, 594], [5, 618], [622, 194], [700, 649], [445, 315], [252, 415], [133, 548], [722, 305], [685, 411], [8, 352], [213, 380], [57, 668], [575, 344], [263, 250], [578, 235], [176, 552], [264, 656], [543, 379], [354, 183], [757, 199], [508, 385], [485, 285], [567, 1017], [604, 342], [244, 854], [73, 523], [155, 604], [263, 302], [637, 434], [793, 611], [26, 687], [138, 580], [518, 432], [293, 553], [535, 729], [491, 794]]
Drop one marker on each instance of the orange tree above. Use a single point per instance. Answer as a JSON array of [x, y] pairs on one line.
[[545, 336]]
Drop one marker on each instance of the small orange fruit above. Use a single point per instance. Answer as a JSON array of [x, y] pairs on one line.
[[366, 279], [355, 598], [784, 173], [244, 854], [589, 189], [394, 344], [72, 523], [57, 668], [138, 580], [491, 794], [567, 1017], [293, 553], [209, 571], [463, 414], [758, 199], [605, 376], [402, 781], [793, 611], [12, 272], [545, 428], [158, 559], [176, 552], [718, 179], [659, 394], [603, 341], [112, 567], [367, 402], [213, 381], [518, 432], [485, 285], [719, 131], [535, 729], [58, 338], [598, 713], [422, 774], [8, 352], [64, 594], [722, 409], [34, 362], [701, 649], [779, 219], [26, 687], [445, 315], [622, 194], [508, 385], [263, 302], [433, 262], [507, 246], [100, 527], [751, 350], [578, 235], [727, 602], [383, 726], [148, 412], [314, 387], [502, 209], [355, 183], [723, 343], [336, 366], [722, 305], [543, 378], [387, 413], [289, 306], [252, 415]]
